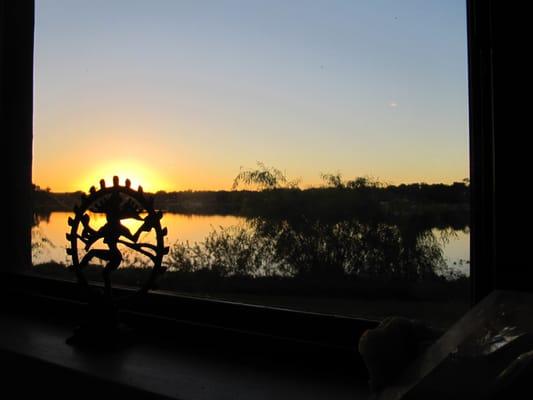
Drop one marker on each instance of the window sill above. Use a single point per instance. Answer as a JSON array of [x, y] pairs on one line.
[[171, 310], [157, 366]]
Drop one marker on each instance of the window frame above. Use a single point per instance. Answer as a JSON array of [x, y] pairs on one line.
[[17, 114]]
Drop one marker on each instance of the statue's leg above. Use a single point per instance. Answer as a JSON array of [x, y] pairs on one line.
[[115, 258], [94, 253]]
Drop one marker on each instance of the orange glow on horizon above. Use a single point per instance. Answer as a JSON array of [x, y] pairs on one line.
[[157, 173], [137, 173]]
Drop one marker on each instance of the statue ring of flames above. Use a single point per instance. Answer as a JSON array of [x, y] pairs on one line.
[[104, 243]]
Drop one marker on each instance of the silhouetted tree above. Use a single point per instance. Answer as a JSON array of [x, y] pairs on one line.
[[262, 177]]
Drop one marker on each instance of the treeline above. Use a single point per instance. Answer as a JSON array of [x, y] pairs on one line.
[[447, 202], [44, 200], [441, 205]]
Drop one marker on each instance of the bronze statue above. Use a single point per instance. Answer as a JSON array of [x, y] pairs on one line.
[[117, 203]]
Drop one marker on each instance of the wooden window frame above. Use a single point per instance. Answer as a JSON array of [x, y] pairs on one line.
[[17, 19]]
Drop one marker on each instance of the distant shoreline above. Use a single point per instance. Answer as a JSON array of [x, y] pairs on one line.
[[438, 205]]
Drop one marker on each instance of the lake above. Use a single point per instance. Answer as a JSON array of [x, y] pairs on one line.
[[455, 244]]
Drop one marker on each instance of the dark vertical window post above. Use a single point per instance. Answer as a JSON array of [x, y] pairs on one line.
[[482, 147], [16, 55], [500, 125]]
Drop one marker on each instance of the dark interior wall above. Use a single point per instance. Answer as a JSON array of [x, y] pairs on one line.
[[511, 43], [501, 152]]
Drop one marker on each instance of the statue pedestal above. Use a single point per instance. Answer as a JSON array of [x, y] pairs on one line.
[[101, 328]]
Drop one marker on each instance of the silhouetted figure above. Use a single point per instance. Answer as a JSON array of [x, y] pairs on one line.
[[101, 328], [111, 233]]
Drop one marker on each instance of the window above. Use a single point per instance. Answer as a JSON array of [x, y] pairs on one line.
[[260, 128], [18, 180]]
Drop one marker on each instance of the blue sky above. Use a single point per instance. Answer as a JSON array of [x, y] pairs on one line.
[[184, 93]]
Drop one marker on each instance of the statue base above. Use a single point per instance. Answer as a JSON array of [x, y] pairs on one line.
[[101, 329]]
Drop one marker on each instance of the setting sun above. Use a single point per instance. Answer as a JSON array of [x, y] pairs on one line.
[[137, 173]]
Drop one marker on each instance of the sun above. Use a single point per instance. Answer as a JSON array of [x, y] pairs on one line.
[[136, 172]]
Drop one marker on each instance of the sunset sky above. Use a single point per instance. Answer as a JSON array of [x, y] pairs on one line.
[[180, 94]]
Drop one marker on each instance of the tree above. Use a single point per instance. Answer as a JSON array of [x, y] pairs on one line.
[[262, 177], [333, 180]]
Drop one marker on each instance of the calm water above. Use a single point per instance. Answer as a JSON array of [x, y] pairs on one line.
[[455, 244]]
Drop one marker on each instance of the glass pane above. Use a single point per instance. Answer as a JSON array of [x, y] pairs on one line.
[[306, 154]]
